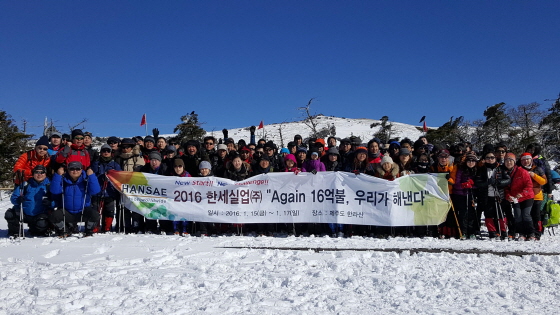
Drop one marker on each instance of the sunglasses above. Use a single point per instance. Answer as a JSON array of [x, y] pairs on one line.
[[178, 166], [39, 172], [112, 142], [79, 138], [106, 151], [208, 143], [173, 143], [42, 148], [74, 169]]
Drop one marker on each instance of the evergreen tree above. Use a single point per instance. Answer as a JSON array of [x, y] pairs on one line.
[[550, 127], [498, 124], [12, 144], [190, 128], [525, 118], [384, 133], [449, 133]]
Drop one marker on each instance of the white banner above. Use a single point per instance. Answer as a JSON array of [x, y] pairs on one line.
[[325, 197]]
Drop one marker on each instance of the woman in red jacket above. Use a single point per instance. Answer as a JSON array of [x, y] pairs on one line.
[[520, 194]]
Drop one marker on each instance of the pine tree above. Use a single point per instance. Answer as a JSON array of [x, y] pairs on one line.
[[525, 118], [12, 144], [498, 124], [449, 133], [190, 128], [550, 126], [384, 133]]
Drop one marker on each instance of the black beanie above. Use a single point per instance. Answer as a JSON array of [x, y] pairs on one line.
[[43, 141]]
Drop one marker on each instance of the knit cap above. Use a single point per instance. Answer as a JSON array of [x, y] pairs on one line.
[[510, 156], [154, 155], [386, 159], [204, 164]]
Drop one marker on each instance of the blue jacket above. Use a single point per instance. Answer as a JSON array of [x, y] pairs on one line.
[[33, 199], [100, 168], [75, 193]]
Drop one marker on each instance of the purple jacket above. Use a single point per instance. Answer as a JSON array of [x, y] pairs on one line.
[[310, 165], [461, 177]]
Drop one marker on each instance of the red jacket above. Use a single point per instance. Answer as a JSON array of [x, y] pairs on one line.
[[521, 184], [73, 153]]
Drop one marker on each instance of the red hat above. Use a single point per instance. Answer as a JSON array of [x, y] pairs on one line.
[[526, 155]]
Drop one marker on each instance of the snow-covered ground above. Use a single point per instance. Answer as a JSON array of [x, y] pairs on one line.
[[154, 274]]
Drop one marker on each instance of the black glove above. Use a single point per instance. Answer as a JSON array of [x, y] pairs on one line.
[[314, 172], [66, 151], [357, 172], [491, 181], [225, 132], [155, 132], [252, 130], [447, 176]]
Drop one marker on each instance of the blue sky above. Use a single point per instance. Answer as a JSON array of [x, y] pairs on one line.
[[239, 62]]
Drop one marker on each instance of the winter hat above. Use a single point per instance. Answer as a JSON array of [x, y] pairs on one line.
[[88, 134], [321, 141], [301, 149], [193, 143], [77, 132], [65, 136], [488, 148], [105, 146], [222, 146], [233, 154], [386, 159], [154, 155], [178, 162], [284, 150], [265, 157], [204, 164], [404, 151], [56, 135], [229, 140], [443, 153], [291, 144], [511, 156], [333, 150], [42, 141], [472, 157], [149, 139], [271, 145], [113, 139], [526, 156], [75, 164], [39, 168], [361, 150], [127, 141], [290, 157], [314, 153], [170, 148]]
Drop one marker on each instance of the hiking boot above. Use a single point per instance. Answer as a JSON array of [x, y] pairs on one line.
[[532, 237], [88, 233]]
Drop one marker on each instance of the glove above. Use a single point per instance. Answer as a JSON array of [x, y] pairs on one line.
[[491, 181], [225, 132], [297, 171], [314, 172], [467, 184], [66, 151], [252, 130], [155, 132], [447, 176], [356, 172]]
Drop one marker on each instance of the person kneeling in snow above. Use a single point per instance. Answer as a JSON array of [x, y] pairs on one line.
[[33, 199], [72, 193]]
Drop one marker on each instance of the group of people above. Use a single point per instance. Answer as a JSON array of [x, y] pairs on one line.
[[62, 182]]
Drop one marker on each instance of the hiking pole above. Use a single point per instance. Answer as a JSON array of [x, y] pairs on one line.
[[456, 220], [63, 213], [101, 204], [84, 203], [21, 194]]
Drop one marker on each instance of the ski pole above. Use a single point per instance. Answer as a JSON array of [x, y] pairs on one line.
[[84, 203], [456, 220], [22, 194]]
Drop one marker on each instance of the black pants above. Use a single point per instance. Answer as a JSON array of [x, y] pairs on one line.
[[37, 224], [60, 216]]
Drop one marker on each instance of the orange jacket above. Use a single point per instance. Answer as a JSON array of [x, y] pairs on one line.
[[27, 162]]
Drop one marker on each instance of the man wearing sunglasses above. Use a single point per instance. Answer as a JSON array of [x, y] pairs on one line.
[[104, 202], [72, 193], [75, 151], [32, 198], [30, 159]]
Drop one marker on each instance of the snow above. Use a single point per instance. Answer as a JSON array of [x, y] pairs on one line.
[[156, 274]]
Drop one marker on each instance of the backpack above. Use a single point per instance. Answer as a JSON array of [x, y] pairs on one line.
[[551, 214]]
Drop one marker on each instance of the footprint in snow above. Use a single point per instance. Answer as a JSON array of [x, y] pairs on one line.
[[52, 253]]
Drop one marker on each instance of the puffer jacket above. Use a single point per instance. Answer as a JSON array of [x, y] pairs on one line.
[[238, 175], [462, 175], [130, 162], [100, 168], [521, 184], [391, 175], [75, 193], [27, 162], [34, 199], [538, 180], [311, 165], [74, 153]]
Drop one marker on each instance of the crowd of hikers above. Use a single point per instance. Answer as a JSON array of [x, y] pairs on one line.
[[62, 182]]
